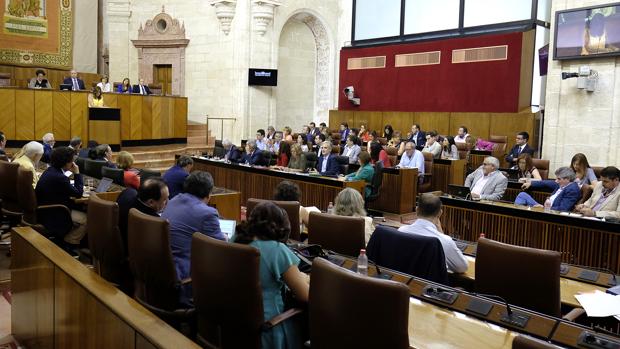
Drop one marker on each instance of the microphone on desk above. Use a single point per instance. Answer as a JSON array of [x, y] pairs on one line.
[[514, 319], [498, 298]]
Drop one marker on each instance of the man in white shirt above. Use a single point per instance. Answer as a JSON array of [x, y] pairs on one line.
[[432, 146], [261, 144], [461, 137], [487, 183], [412, 158], [428, 224]]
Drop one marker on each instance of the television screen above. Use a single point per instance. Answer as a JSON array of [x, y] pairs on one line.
[[263, 77], [587, 32]]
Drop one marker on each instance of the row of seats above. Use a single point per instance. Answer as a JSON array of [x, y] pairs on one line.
[[98, 169]]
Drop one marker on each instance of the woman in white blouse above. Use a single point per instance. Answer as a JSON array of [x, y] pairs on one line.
[[104, 85]]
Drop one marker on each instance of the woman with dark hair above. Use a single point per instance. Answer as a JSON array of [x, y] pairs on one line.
[[388, 131], [125, 86], [303, 142], [364, 173], [526, 167], [377, 153], [285, 154], [95, 99], [267, 229], [364, 134], [583, 172], [449, 149], [39, 81]]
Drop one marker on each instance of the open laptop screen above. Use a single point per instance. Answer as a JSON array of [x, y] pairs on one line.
[[227, 226]]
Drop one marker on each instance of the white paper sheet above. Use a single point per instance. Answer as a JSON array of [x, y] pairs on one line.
[[599, 304]]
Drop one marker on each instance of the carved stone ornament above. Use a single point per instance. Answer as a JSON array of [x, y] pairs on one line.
[[262, 12], [225, 12]]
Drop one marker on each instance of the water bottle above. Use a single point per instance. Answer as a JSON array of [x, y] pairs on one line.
[[330, 208], [362, 263], [548, 205]]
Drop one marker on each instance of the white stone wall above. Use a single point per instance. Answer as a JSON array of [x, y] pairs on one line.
[[577, 121], [217, 64]]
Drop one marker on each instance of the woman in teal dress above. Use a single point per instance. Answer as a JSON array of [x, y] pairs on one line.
[[266, 229], [365, 172]]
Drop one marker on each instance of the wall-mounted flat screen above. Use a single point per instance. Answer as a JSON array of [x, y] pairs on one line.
[[263, 77], [587, 32]]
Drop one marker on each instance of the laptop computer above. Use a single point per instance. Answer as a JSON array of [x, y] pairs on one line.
[[104, 185], [227, 226], [65, 87], [513, 174], [459, 191]]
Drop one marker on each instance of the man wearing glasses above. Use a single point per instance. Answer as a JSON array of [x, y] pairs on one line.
[[521, 147], [487, 183]]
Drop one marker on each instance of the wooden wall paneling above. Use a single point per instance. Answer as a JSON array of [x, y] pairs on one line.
[[374, 123], [61, 104], [147, 117], [478, 124], [338, 116], [527, 67], [32, 288], [359, 118], [400, 121], [81, 321], [156, 116], [105, 132], [135, 122], [123, 102], [143, 343], [24, 115], [510, 124], [43, 114], [7, 112], [167, 117], [433, 121], [110, 100], [180, 117], [79, 115]]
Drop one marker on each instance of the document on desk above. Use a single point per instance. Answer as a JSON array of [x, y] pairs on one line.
[[599, 304]]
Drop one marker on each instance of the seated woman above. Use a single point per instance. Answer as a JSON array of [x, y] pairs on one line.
[[364, 134], [583, 172], [377, 153], [95, 99], [364, 173], [287, 134], [449, 149], [526, 167], [397, 142], [28, 158], [39, 81], [285, 155], [266, 229], [297, 161], [388, 132], [125, 160], [125, 86], [104, 84], [303, 143], [349, 202]]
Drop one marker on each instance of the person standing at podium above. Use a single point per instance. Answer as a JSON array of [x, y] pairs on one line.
[[141, 88], [76, 83], [95, 99]]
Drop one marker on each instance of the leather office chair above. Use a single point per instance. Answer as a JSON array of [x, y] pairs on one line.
[[145, 174], [597, 171], [375, 186], [341, 234], [392, 153], [117, 175], [80, 162], [525, 342], [156, 285], [524, 276], [542, 166], [336, 138], [426, 185], [336, 149], [462, 148], [291, 208], [348, 310], [267, 155], [229, 315], [586, 192], [343, 164], [499, 149], [311, 159], [106, 244], [92, 168], [411, 254], [8, 189]]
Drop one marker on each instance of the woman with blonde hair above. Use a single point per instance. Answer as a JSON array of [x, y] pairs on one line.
[[287, 134], [28, 158], [297, 161], [125, 160], [350, 203], [584, 174]]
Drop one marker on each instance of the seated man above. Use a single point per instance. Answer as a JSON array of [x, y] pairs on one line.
[[151, 199], [519, 148], [232, 152], [76, 144], [76, 83], [253, 156], [428, 224], [565, 194], [461, 135], [141, 88], [104, 153], [48, 144], [261, 143], [54, 188], [327, 164], [432, 146], [189, 213], [412, 158], [605, 199], [487, 183], [176, 175], [86, 152]]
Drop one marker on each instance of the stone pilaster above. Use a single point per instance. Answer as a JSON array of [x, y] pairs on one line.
[[119, 15]]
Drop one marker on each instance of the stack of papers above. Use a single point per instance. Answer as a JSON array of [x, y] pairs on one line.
[[600, 304]]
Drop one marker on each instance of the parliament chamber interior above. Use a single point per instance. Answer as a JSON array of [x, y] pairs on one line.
[[310, 174]]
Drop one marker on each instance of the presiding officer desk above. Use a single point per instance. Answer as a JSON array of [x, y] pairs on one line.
[[260, 182]]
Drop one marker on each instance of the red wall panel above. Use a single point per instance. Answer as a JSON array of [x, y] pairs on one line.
[[466, 87]]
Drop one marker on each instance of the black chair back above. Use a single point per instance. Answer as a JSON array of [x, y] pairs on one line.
[[377, 182], [343, 164], [117, 175], [92, 168], [311, 159], [145, 174]]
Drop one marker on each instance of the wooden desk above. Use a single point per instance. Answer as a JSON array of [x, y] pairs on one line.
[[104, 125], [259, 182], [227, 202], [448, 172], [59, 303], [514, 188], [587, 242], [398, 190]]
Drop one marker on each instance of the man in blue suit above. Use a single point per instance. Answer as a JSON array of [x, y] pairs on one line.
[[232, 152], [344, 132], [75, 82], [418, 137], [327, 164], [176, 175], [565, 195], [253, 156]]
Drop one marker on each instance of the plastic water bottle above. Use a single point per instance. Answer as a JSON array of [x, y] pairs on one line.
[[330, 208], [362, 263], [548, 205]]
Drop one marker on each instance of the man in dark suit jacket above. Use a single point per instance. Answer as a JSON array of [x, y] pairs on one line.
[[141, 88], [75, 82], [327, 164], [253, 156], [48, 144], [175, 176], [520, 147], [566, 191], [232, 152], [418, 137]]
